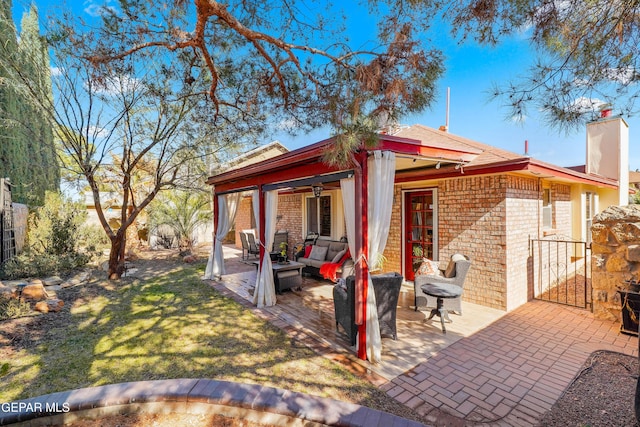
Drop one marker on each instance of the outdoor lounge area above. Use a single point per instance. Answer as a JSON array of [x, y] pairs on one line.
[[311, 308]]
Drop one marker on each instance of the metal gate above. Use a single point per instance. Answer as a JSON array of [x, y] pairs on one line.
[[8, 248], [562, 271]]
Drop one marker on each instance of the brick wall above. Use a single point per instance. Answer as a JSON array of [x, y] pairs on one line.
[[471, 215], [490, 219], [290, 210], [561, 199], [524, 204], [243, 217]]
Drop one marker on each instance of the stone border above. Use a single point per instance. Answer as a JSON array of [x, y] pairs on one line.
[[250, 401]]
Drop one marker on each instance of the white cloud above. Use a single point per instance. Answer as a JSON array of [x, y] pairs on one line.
[[97, 132], [116, 84], [289, 125], [624, 75], [55, 71], [95, 9], [585, 105]]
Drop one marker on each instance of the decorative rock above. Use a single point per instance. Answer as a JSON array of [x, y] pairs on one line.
[[630, 213], [626, 232], [6, 291], [34, 292], [617, 262], [599, 234], [52, 281], [633, 253], [51, 305]]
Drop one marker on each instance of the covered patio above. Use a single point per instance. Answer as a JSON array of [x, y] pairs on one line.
[[310, 310], [364, 190]]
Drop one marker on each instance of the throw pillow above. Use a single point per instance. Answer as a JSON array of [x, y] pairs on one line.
[[318, 252], [307, 251], [428, 267], [451, 267], [338, 256]]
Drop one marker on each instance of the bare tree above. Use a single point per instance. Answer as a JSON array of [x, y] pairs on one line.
[[130, 129]]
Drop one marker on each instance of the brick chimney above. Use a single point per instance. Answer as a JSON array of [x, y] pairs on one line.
[[608, 152]]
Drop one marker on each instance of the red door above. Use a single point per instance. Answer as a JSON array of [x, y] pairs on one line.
[[419, 231]]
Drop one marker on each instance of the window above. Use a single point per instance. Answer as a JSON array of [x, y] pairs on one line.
[[588, 214], [547, 212], [319, 215]]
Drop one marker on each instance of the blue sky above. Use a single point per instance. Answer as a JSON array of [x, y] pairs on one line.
[[470, 72]]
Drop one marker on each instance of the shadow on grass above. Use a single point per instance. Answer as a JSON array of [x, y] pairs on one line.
[[171, 325]]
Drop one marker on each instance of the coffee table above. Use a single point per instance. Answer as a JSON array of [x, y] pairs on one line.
[[286, 275]]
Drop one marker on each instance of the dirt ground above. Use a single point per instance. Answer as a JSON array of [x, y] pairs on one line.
[[167, 420], [601, 395]]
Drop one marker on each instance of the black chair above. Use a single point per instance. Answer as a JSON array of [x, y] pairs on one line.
[[387, 290]]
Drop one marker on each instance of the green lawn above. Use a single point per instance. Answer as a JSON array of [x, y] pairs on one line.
[[173, 326]]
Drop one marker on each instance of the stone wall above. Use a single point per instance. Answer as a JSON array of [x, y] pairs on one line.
[[615, 257]]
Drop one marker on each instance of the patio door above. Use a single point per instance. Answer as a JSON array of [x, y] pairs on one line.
[[420, 229]]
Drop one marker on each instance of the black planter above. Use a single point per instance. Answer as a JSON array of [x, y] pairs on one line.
[[630, 312]]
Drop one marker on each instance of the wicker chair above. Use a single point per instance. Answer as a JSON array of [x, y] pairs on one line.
[[462, 264], [387, 291]]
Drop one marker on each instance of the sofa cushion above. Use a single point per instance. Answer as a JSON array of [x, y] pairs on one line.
[[339, 256], [334, 249], [428, 267], [451, 267], [318, 253]]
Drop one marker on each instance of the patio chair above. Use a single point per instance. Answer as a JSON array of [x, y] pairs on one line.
[[458, 267], [245, 245], [387, 290], [250, 241]]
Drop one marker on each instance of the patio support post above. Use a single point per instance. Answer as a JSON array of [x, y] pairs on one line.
[[215, 214], [362, 269], [263, 223]]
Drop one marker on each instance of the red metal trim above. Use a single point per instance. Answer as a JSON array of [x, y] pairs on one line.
[[364, 247], [215, 215], [263, 222]]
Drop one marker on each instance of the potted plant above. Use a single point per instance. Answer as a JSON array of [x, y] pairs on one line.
[[283, 252]]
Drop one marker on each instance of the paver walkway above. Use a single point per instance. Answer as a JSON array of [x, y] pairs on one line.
[[511, 372]]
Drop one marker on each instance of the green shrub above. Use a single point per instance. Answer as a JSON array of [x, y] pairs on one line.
[[11, 308], [53, 241]]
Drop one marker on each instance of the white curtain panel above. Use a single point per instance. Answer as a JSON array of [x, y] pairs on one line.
[[348, 187], [227, 208], [381, 167], [265, 293]]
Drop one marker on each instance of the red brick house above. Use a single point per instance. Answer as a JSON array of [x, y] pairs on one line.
[[450, 194]]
